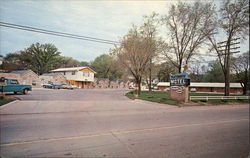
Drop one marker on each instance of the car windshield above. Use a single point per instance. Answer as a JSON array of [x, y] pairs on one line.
[[14, 82]]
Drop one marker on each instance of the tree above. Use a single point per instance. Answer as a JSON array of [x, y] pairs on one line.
[[106, 67], [62, 61], [241, 69], [149, 32], [234, 22], [14, 61], [165, 70], [135, 54], [188, 24], [196, 72], [43, 57], [84, 63], [214, 73]]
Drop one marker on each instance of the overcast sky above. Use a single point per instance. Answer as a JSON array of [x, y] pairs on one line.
[[109, 20]]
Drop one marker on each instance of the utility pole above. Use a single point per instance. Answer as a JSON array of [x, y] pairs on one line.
[[225, 48]]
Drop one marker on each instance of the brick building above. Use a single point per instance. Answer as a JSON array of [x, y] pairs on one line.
[[206, 87], [24, 77]]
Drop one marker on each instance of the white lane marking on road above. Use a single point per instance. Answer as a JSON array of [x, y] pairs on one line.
[[121, 132]]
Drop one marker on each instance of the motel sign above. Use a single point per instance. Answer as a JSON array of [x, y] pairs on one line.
[[181, 79]]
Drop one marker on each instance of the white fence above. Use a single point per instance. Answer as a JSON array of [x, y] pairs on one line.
[[217, 97]]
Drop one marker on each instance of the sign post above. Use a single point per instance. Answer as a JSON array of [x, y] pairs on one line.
[[179, 87]]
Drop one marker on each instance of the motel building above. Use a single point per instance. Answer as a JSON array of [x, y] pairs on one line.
[[82, 77], [205, 87]]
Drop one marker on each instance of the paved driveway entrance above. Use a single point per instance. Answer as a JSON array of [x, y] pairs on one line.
[[104, 123]]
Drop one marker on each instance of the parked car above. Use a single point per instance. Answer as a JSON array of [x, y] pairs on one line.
[[193, 90], [67, 86], [12, 85], [47, 85], [52, 85]]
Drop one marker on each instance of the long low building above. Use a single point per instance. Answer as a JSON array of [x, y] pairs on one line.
[[24, 77], [205, 87]]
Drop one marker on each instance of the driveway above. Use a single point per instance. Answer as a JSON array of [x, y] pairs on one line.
[[104, 123]]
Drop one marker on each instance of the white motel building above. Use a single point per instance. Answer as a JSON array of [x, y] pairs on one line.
[[82, 77]]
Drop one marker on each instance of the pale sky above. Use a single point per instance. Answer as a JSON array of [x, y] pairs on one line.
[[109, 20]]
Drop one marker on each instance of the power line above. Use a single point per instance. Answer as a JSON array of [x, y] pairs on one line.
[[56, 33]]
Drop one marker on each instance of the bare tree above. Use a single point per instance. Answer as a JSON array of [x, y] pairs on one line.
[[149, 32], [234, 22], [241, 68], [188, 25], [135, 54], [196, 73]]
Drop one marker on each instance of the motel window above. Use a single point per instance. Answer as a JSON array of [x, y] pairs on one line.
[[73, 72], [86, 74]]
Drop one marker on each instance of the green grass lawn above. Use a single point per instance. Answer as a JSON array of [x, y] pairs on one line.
[[5, 100], [155, 96], [164, 97]]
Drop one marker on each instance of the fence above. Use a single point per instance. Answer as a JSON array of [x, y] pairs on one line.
[[218, 97]]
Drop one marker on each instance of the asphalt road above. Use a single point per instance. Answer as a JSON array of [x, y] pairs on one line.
[[104, 123]]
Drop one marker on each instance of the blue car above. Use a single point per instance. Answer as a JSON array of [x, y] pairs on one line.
[[52, 85]]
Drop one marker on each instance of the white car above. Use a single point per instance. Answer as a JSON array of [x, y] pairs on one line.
[[68, 86], [193, 90]]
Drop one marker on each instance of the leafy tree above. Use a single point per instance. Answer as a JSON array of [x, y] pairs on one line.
[[43, 57], [84, 63], [165, 69], [214, 73], [187, 24], [13, 61], [106, 67], [62, 61]]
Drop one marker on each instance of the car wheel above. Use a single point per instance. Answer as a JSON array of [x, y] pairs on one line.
[[25, 91]]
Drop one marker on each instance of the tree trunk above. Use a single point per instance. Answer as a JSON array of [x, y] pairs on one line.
[[227, 84], [179, 69], [150, 80], [138, 82], [244, 89]]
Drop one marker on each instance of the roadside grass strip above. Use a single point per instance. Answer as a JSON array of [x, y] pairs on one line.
[[164, 97], [5, 100], [154, 96]]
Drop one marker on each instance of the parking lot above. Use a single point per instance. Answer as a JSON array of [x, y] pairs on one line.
[[104, 123]]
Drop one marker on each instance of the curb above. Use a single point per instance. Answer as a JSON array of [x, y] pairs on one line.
[[3, 106]]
